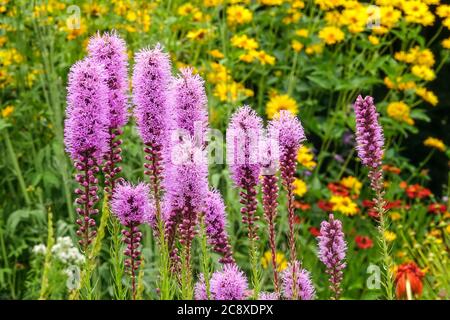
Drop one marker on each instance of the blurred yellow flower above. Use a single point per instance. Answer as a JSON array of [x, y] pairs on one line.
[[216, 54], [314, 49], [331, 35], [271, 2], [7, 111], [345, 205], [328, 4], [427, 96], [300, 187], [281, 102], [303, 33], [423, 72], [355, 19], [187, 9], [231, 91], [389, 236], [244, 42], [417, 12], [198, 35], [395, 216], [280, 259], [238, 15], [297, 45], [435, 143], [443, 11], [446, 43], [305, 157], [352, 183], [374, 40], [400, 111], [265, 58]]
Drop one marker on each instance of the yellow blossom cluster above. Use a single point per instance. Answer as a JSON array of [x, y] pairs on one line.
[[305, 158], [280, 102], [435, 143], [225, 88], [400, 111], [344, 205]]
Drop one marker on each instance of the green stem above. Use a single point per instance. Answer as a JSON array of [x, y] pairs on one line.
[[16, 167], [206, 269]]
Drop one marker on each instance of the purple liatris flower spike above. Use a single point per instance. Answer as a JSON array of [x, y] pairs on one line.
[[229, 284], [332, 248], [269, 151], [244, 134], [369, 139], [189, 104], [186, 188], [215, 223], [110, 51], [132, 206], [299, 287], [288, 131], [151, 79], [86, 138], [369, 144], [243, 137], [369, 134]]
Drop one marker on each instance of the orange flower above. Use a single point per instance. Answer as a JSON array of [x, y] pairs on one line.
[[409, 277]]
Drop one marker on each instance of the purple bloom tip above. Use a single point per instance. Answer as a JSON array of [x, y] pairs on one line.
[[110, 51], [229, 284], [132, 205], [287, 129], [369, 133], [243, 136], [151, 80], [86, 124]]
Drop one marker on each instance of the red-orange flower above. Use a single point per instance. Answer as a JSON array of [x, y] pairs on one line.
[[314, 231], [325, 205], [363, 242], [408, 274], [437, 208], [338, 189], [417, 191]]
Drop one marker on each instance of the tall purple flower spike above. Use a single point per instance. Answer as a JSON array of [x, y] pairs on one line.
[[270, 155], [132, 206], [186, 185], [369, 139], [299, 287], [243, 137], [110, 51], [86, 138], [151, 80], [288, 131], [215, 222], [332, 248]]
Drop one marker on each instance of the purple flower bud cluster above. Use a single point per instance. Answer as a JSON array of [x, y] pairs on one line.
[[243, 137], [109, 50], [85, 137], [332, 248], [216, 226], [132, 207], [189, 105], [228, 284], [297, 284], [288, 131], [369, 133]]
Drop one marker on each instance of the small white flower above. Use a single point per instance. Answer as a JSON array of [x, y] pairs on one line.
[[40, 249]]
